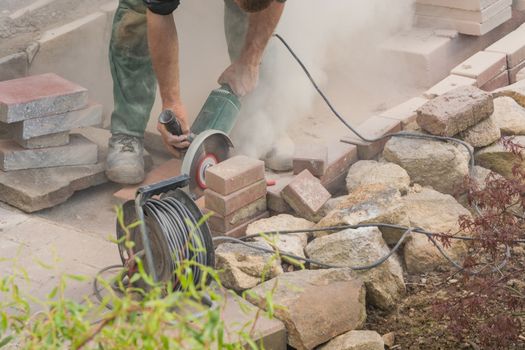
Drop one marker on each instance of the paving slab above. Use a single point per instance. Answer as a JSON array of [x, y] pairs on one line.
[[469, 5], [483, 66], [52, 140], [513, 45], [465, 15]]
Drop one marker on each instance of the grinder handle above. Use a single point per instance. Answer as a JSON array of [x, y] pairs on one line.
[[170, 121]]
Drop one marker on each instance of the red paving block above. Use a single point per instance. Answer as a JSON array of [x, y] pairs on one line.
[[39, 96], [305, 194], [241, 230], [311, 157], [226, 205], [373, 128], [340, 157], [223, 224], [274, 199], [234, 174]]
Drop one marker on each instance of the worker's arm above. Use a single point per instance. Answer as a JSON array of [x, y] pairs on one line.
[[243, 74], [164, 50]]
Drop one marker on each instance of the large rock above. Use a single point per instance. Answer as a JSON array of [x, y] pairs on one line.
[[515, 91], [317, 305], [369, 204], [455, 111], [290, 243], [354, 248], [356, 340], [441, 165], [371, 172], [482, 134], [509, 116], [498, 158], [242, 267], [438, 213]]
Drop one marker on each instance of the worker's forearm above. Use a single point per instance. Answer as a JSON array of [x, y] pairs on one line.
[[260, 29], [164, 49]]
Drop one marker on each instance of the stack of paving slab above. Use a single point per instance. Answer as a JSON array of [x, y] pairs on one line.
[[38, 153], [236, 195], [471, 17]]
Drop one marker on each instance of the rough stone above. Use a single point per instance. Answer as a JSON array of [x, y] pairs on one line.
[[311, 157], [509, 116], [369, 204], [355, 340], [38, 96], [305, 195], [242, 267], [385, 285], [515, 91], [389, 339], [335, 299], [52, 140], [90, 116], [225, 205], [79, 151], [498, 158], [438, 213], [372, 172], [223, 224], [455, 111], [440, 165], [234, 174], [290, 243], [482, 134]]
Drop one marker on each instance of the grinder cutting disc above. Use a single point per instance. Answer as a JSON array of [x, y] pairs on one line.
[[209, 148]]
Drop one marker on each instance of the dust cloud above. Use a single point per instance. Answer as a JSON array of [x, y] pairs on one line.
[[338, 40]]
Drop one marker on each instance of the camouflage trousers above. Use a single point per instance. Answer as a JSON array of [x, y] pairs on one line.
[[134, 82]]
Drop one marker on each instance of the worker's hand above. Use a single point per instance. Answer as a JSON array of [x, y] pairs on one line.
[[242, 78], [176, 145]]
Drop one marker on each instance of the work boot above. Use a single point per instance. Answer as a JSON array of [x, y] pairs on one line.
[[125, 162]]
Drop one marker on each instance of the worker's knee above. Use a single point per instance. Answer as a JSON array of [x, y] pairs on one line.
[[129, 35], [162, 7]]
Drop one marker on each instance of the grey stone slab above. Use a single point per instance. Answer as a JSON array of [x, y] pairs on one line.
[[13, 66], [90, 116], [53, 140], [38, 96], [79, 151]]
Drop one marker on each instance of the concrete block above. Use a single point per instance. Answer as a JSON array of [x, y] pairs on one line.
[[480, 16], [513, 45], [53, 140], [373, 128], [275, 201], [519, 5], [227, 223], [226, 205], [305, 195], [234, 174], [497, 82], [469, 5], [483, 66], [513, 72], [240, 231], [79, 151], [405, 112], [13, 66], [311, 157], [467, 27], [340, 157], [39, 96], [449, 83], [90, 116], [520, 75]]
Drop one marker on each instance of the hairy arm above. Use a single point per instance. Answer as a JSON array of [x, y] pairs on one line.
[[243, 74]]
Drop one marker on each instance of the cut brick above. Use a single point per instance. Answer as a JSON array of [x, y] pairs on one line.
[[513, 45], [223, 224], [340, 157], [496, 83], [274, 199], [241, 230], [311, 157], [305, 195], [337, 186], [39, 96], [483, 66], [79, 151], [448, 84], [373, 128], [405, 112], [455, 111], [27, 129], [53, 140], [226, 205], [234, 174], [464, 15]]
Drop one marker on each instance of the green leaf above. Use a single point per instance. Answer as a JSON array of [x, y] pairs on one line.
[[6, 341]]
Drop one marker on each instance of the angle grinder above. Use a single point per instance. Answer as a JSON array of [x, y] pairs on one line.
[[209, 139]]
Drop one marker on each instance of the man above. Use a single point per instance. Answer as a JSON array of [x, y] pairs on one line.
[[249, 25]]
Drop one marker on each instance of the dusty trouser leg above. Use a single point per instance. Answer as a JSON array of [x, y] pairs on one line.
[[235, 28], [134, 83]]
